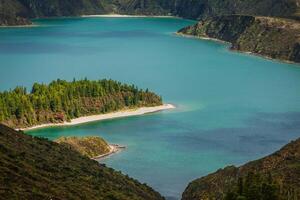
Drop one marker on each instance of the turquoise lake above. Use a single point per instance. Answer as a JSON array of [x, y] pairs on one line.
[[231, 107]]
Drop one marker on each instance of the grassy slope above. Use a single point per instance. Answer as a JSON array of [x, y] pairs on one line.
[[283, 165], [88, 146], [35, 168]]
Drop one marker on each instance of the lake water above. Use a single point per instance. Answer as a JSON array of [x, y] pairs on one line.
[[231, 107]]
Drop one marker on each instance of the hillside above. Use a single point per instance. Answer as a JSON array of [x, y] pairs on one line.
[[89, 146], [35, 168], [141, 7], [14, 12], [271, 37], [211, 8], [275, 177], [61, 101]]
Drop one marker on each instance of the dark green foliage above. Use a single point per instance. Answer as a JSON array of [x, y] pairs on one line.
[[254, 187], [12, 12], [274, 177], [61, 101], [35, 168]]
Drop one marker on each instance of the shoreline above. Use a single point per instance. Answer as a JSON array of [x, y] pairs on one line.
[[32, 25], [202, 38], [127, 16], [235, 50], [20, 26], [114, 148], [100, 117]]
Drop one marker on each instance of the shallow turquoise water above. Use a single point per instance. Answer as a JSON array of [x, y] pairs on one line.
[[231, 107]]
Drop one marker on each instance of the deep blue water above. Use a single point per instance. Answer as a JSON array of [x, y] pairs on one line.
[[231, 107]]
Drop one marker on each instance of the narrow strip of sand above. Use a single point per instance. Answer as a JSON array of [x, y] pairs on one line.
[[129, 16], [119, 114], [114, 148]]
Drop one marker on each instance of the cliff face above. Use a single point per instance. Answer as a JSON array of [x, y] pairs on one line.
[[271, 37], [35, 168], [283, 167]]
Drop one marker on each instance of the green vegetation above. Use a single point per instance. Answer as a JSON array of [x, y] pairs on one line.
[[87, 146], [271, 37], [253, 186], [203, 9], [275, 177], [13, 12], [61, 101], [35, 168]]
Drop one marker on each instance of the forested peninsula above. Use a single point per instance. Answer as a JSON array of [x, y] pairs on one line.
[[61, 101]]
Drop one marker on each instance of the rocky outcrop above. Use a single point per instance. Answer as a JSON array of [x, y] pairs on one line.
[[275, 38], [283, 166]]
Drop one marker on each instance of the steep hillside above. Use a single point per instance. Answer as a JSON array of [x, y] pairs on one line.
[[194, 9], [271, 37], [35, 168], [271, 178], [141, 7], [12, 12], [48, 8], [202, 9], [89, 146]]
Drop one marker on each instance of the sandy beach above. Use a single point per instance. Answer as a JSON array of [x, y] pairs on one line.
[[119, 114], [21, 26], [127, 16]]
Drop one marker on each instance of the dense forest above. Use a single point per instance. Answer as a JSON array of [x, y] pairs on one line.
[[61, 101]]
